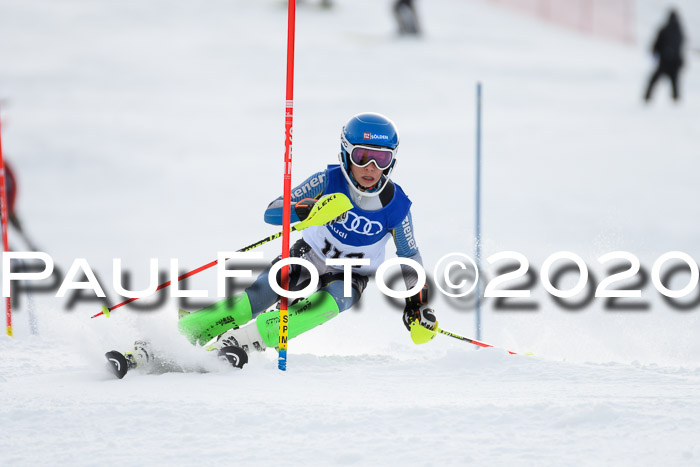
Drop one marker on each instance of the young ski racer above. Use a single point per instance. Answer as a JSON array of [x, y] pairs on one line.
[[380, 210]]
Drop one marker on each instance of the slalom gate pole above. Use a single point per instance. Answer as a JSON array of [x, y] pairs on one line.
[[471, 341], [4, 213], [477, 210], [286, 194]]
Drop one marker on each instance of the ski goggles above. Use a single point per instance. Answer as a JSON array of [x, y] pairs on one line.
[[362, 156]]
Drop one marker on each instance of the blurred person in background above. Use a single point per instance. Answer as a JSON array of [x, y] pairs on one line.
[[12, 217], [667, 50], [405, 13], [322, 4], [11, 191]]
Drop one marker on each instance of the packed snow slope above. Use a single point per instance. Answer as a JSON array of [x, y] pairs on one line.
[[143, 130]]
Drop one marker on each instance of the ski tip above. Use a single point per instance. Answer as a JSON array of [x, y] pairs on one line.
[[236, 356], [116, 363]]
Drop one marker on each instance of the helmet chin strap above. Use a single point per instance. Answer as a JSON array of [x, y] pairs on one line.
[[366, 189]]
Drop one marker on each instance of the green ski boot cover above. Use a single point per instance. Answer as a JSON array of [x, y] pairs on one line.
[[303, 316], [203, 325]]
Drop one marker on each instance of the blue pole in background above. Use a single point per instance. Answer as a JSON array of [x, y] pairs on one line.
[[477, 224]]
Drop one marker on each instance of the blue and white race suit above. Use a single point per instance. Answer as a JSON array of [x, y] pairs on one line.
[[365, 230]]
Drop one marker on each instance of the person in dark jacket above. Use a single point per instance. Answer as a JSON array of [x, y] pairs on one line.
[[667, 49], [407, 17], [11, 190]]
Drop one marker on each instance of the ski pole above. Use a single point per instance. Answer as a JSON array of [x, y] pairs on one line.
[[466, 339], [326, 209], [105, 311]]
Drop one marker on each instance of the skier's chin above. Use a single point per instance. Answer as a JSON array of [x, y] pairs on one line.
[[367, 182]]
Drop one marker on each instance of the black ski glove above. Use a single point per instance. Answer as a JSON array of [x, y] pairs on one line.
[[417, 309], [303, 207]]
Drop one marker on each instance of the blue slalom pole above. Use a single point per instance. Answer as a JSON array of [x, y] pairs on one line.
[[477, 210]]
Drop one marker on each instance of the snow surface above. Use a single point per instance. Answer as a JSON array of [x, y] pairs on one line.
[[155, 130]]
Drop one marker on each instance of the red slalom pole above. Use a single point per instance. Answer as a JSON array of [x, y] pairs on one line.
[[4, 212], [286, 194]]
